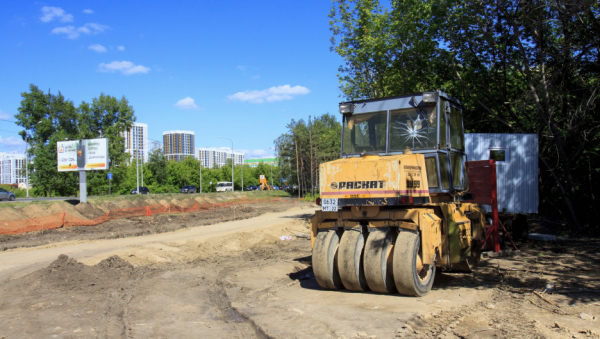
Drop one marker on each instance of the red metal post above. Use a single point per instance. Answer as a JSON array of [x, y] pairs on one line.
[[495, 219]]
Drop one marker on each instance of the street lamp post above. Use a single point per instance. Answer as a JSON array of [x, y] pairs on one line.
[[272, 183], [27, 160], [26, 167], [232, 159]]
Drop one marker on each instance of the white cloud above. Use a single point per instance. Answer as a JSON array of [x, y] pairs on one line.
[[73, 32], [13, 145], [88, 11], [121, 48], [4, 115], [12, 152], [256, 153], [125, 67], [98, 48], [279, 93], [51, 13], [186, 103]]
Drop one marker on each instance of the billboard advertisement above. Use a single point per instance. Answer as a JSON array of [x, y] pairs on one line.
[[82, 155]]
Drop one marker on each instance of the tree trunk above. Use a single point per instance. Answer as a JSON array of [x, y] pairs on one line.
[[297, 166]]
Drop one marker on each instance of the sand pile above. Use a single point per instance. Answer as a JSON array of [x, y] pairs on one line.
[[8, 213], [178, 203], [139, 203], [152, 202], [107, 206], [89, 211], [124, 204], [64, 207], [34, 211]]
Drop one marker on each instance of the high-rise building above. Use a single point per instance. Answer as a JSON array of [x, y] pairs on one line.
[[12, 169], [136, 141], [209, 157], [178, 144]]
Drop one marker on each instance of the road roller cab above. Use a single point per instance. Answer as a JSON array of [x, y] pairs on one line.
[[391, 207]]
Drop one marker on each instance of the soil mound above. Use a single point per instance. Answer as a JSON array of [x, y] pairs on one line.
[[139, 203], [8, 213], [115, 263], [178, 203], [89, 211], [34, 211], [67, 274], [189, 202], [164, 203], [124, 204], [107, 206], [63, 206], [152, 202]]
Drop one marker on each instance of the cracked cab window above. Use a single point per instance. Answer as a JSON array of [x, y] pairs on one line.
[[415, 128]]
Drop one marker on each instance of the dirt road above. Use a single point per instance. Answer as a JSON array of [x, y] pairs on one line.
[[238, 279]]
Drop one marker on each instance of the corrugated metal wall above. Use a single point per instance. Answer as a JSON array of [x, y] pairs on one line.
[[518, 175]]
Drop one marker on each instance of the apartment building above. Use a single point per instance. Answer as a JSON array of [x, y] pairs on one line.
[[12, 170], [209, 157], [178, 144], [136, 142]]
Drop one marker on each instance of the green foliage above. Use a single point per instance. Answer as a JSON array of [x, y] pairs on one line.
[[304, 147], [520, 67], [49, 118]]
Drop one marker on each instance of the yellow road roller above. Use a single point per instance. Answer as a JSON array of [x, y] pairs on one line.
[[393, 207]]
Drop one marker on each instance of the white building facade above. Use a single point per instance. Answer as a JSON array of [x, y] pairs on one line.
[[12, 170], [136, 141], [210, 157]]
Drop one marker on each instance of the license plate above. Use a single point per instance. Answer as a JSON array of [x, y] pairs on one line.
[[329, 205]]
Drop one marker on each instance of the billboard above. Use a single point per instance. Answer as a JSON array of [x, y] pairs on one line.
[[82, 155]]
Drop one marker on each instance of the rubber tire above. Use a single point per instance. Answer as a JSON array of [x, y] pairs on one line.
[[376, 261], [406, 276], [11, 198], [324, 260], [350, 261]]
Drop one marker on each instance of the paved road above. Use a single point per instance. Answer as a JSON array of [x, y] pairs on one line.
[[43, 199]]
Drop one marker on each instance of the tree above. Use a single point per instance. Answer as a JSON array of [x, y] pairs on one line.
[[304, 147], [518, 67], [49, 118]]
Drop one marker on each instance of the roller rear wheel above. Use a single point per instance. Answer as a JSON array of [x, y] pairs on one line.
[[350, 261], [411, 276], [324, 260], [377, 261]]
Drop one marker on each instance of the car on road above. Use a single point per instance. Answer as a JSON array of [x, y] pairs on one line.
[[252, 188], [7, 195], [143, 190], [188, 189]]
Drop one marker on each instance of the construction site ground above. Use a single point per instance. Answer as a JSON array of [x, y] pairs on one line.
[[234, 273]]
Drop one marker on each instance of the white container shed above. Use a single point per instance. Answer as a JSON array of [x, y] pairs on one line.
[[516, 158]]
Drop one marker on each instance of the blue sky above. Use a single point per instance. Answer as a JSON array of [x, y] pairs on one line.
[[237, 69]]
